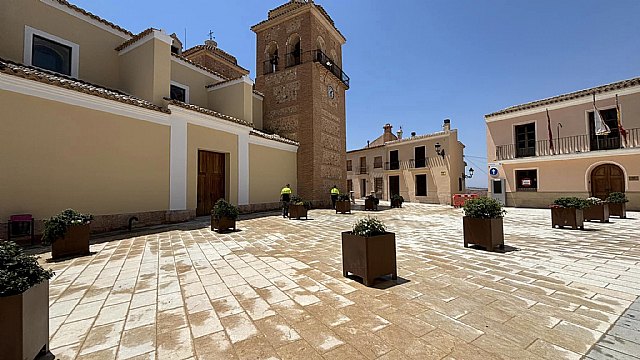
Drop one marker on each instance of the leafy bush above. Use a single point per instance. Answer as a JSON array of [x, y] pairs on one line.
[[617, 198], [224, 209], [296, 200], [344, 197], [572, 202], [56, 226], [594, 201], [19, 271], [369, 227], [483, 208], [374, 198], [397, 197]]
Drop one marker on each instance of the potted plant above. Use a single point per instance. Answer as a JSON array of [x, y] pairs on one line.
[[567, 211], [596, 210], [617, 204], [482, 223], [223, 216], [369, 251], [24, 304], [343, 204], [371, 202], [298, 208], [68, 234], [396, 201]]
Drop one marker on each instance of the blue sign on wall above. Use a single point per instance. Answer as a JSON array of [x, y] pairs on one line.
[[493, 172]]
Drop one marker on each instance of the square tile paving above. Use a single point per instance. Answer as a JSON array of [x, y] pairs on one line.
[[275, 290]]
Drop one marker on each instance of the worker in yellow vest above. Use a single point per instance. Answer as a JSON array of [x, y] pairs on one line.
[[285, 197], [334, 196]]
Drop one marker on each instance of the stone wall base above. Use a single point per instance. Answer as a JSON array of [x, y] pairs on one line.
[[532, 199], [252, 208]]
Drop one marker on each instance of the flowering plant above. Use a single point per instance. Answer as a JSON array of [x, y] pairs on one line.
[[56, 226], [594, 201]]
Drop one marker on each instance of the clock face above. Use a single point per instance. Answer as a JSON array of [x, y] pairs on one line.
[[331, 92]]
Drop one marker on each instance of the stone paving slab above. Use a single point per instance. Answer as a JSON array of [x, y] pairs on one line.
[[275, 290]]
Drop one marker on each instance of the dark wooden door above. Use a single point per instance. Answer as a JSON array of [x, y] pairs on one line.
[[606, 179], [394, 186], [211, 179]]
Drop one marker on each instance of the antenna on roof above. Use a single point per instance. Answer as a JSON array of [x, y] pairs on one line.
[[185, 38]]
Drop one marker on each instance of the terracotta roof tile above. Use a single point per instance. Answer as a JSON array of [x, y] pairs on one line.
[[273, 137], [222, 82], [46, 77], [200, 66], [208, 112], [135, 39], [570, 96], [94, 17], [216, 51], [292, 6]]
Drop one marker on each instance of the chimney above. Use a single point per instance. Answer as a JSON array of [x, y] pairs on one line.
[[447, 125], [413, 133], [367, 143], [388, 134], [399, 133]]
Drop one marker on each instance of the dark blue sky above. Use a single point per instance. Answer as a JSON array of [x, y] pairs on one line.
[[415, 63]]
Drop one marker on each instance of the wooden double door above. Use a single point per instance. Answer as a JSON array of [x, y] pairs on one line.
[[606, 179], [211, 180]]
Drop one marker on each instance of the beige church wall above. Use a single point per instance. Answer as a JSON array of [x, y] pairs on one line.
[[233, 100], [196, 82], [137, 72], [202, 138], [161, 71], [55, 156], [257, 112], [98, 61], [269, 170]]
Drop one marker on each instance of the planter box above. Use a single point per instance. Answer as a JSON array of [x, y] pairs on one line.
[[75, 242], [484, 232], [222, 224], [297, 211], [596, 212], [562, 217], [618, 210], [396, 203], [370, 204], [24, 323], [369, 257], [343, 206]]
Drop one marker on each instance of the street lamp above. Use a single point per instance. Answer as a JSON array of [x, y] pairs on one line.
[[470, 174], [439, 150]]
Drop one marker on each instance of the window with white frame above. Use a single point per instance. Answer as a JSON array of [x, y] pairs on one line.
[[179, 92], [50, 52]]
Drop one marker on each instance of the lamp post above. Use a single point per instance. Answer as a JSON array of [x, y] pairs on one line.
[[470, 174]]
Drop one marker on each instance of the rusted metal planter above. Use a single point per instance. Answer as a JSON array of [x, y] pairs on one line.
[[396, 203], [343, 206], [572, 217], [369, 257], [222, 224], [24, 323], [596, 212], [297, 211], [618, 209], [75, 242], [370, 204], [487, 233]]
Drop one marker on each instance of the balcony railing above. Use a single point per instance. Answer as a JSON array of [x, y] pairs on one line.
[[295, 58], [362, 170], [399, 165], [570, 145], [327, 62]]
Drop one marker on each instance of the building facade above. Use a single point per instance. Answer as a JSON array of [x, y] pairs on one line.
[[535, 158], [299, 71], [422, 168], [118, 124]]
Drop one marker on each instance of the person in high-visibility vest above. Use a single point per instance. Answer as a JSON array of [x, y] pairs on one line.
[[334, 196], [285, 197]]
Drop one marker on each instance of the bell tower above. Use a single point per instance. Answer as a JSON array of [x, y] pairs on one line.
[[299, 71]]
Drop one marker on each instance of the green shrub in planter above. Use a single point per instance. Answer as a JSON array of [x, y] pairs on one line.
[[222, 208], [571, 202], [594, 201], [344, 197], [397, 197], [368, 227], [19, 271], [483, 208], [617, 198], [374, 198], [296, 200], [56, 226]]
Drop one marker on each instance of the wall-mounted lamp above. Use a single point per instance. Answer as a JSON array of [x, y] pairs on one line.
[[439, 150], [470, 174]]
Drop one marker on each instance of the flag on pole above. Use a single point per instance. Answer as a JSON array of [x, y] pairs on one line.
[[601, 127], [623, 132], [550, 133]]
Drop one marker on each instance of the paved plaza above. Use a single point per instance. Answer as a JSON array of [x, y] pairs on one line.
[[275, 290]]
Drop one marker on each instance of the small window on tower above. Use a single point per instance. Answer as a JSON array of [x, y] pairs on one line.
[[180, 93]]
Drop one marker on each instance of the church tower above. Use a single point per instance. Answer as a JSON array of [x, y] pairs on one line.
[[299, 71]]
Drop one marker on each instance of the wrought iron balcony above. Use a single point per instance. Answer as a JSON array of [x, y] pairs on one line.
[[297, 58], [327, 62], [571, 145], [400, 165], [362, 170]]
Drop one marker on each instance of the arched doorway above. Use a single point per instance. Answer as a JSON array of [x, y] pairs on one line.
[[605, 179]]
